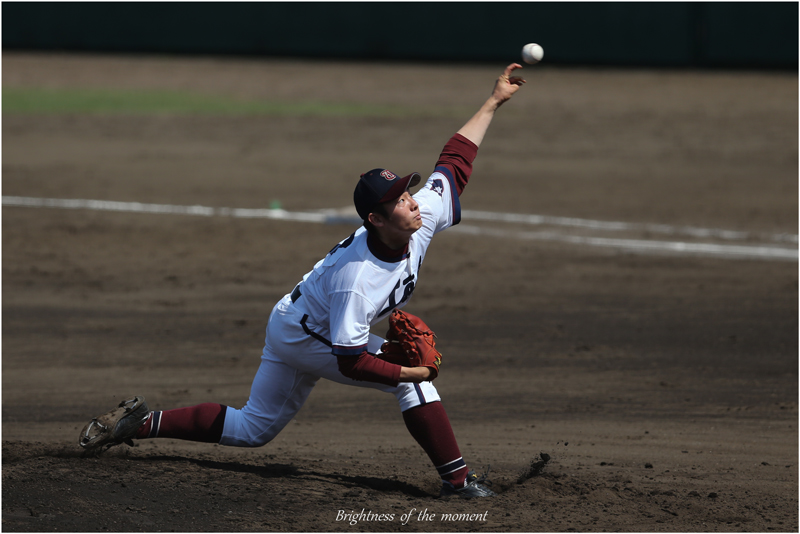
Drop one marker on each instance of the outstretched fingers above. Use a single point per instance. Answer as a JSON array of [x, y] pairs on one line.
[[511, 68], [507, 84], [516, 80]]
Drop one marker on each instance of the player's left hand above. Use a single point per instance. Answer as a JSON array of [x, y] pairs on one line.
[[411, 343]]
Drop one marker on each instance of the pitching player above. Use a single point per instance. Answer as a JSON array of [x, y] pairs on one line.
[[322, 328]]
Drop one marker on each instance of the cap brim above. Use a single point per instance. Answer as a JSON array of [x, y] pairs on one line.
[[401, 186]]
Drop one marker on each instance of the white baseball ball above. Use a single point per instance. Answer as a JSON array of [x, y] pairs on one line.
[[532, 53]]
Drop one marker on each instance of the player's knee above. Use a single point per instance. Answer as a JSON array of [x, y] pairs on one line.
[[255, 435], [245, 439], [256, 441], [243, 431]]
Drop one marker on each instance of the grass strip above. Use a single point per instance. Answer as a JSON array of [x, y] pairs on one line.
[[147, 102]]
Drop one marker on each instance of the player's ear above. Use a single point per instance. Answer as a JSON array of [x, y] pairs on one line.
[[376, 219]]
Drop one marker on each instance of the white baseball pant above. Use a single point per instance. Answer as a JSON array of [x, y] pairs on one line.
[[291, 364]]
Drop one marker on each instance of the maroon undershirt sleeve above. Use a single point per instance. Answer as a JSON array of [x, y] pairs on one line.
[[368, 368], [457, 157]]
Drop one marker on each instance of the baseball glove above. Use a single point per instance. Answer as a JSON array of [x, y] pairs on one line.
[[410, 343]]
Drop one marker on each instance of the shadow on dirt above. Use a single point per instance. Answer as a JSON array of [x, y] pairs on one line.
[[275, 470], [264, 471], [374, 483]]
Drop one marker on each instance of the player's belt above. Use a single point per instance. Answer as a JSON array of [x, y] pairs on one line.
[[296, 293], [311, 333]]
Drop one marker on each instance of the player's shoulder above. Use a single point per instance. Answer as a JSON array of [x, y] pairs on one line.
[[353, 249], [433, 187], [349, 244]]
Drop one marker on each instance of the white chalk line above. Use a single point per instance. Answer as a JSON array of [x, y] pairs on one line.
[[333, 216], [646, 246], [139, 207], [691, 231]]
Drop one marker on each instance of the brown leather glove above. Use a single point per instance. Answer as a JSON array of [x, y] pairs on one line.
[[410, 343]]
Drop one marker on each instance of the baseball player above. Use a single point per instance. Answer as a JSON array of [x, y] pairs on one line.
[[321, 329]]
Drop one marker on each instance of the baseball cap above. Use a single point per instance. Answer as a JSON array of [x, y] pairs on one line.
[[378, 186]]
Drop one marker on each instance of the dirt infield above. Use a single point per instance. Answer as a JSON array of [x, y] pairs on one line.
[[662, 386]]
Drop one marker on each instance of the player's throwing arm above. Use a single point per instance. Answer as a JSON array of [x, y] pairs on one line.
[[504, 88]]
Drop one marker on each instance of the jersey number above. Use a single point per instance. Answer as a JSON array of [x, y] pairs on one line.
[[344, 244]]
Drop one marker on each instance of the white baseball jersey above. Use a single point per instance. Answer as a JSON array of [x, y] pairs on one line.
[[355, 286]]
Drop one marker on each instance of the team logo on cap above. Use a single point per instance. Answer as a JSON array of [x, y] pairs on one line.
[[388, 175]]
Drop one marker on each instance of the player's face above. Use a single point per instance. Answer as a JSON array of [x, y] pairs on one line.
[[399, 219], [404, 215]]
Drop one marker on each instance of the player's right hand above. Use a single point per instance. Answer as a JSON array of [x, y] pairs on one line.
[[506, 84]]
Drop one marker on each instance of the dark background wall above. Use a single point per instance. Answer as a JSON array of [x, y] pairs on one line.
[[685, 34]]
